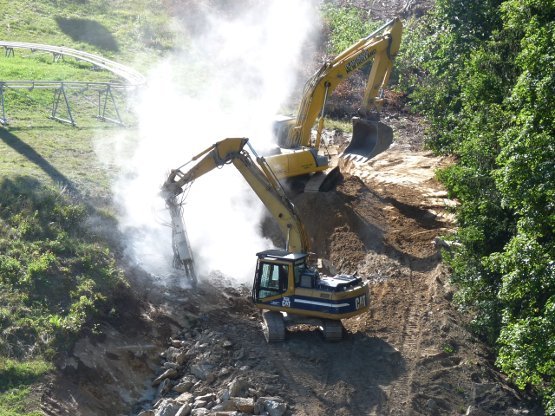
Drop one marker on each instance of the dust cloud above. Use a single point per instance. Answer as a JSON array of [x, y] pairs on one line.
[[229, 80]]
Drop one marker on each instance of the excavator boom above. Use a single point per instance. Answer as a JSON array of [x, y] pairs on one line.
[[284, 281], [258, 175], [300, 153]]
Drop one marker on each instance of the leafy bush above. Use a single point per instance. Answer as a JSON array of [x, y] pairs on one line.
[[485, 80]]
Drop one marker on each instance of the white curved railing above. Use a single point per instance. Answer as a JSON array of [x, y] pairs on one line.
[[131, 79], [131, 76]]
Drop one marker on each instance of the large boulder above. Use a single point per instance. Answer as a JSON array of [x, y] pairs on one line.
[[167, 407], [273, 406]]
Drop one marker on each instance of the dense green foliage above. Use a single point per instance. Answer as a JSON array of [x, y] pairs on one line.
[[484, 75], [54, 276]]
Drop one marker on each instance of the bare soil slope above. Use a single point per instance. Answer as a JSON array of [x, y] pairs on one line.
[[409, 355]]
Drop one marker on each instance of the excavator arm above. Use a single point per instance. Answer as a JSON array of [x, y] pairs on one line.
[[257, 174], [299, 154], [381, 46]]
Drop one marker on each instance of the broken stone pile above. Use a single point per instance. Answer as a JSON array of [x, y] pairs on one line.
[[206, 374]]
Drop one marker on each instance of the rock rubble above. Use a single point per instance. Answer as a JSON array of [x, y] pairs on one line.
[[206, 374]]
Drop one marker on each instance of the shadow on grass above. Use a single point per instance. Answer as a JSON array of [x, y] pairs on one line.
[[89, 31], [31, 154]]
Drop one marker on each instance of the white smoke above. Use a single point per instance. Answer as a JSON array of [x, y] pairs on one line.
[[229, 82]]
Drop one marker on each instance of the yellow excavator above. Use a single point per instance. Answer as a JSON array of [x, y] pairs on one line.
[[286, 287], [299, 152]]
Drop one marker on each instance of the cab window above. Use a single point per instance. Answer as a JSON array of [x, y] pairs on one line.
[[273, 279]]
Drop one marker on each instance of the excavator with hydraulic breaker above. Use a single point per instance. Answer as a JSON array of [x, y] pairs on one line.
[[286, 287], [299, 152]]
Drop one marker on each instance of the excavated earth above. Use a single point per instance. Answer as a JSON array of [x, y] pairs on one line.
[[175, 352], [183, 352]]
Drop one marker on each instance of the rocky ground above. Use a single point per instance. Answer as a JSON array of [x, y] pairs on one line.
[[174, 352], [179, 352]]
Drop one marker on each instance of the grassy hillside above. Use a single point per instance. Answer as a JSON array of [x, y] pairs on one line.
[[131, 32], [57, 278], [115, 29]]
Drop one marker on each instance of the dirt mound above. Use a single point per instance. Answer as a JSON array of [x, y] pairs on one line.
[[410, 354]]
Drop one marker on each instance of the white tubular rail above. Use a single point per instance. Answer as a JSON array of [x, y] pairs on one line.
[[129, 79], [132, 77]]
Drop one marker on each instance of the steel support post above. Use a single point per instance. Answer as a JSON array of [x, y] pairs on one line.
[[57, 97], [103, 102], [3, 119]]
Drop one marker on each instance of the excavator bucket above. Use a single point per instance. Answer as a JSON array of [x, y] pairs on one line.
[[323, 182], [370, 138]]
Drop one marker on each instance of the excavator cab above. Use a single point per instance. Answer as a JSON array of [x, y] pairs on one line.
[[288, 161], [273, 277], [291, 292]]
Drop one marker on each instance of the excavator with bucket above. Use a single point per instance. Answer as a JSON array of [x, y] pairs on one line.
[[286, 287], [299, 153]]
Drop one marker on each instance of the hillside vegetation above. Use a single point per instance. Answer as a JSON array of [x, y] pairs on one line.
[[483, 73], [58, 277]]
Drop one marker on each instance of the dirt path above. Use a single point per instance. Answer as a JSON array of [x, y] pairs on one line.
[[409, 355]]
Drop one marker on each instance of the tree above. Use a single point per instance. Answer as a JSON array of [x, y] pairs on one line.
[[487, 77]]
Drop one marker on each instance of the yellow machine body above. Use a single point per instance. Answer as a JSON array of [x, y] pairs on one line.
[[295, 134]]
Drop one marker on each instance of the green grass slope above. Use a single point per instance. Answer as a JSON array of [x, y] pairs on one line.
[[57, 277]]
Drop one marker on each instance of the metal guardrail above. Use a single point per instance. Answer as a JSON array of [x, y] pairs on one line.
[[130, 79]]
